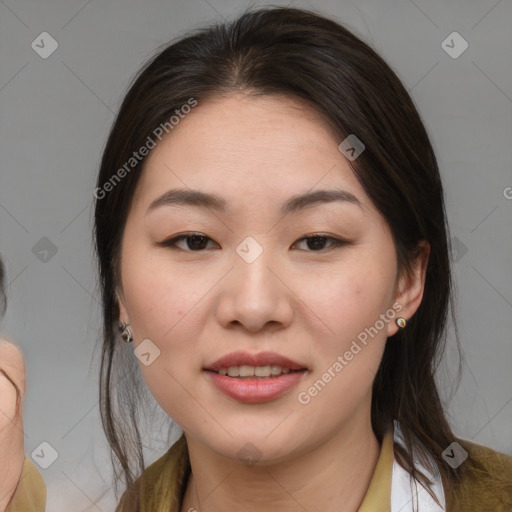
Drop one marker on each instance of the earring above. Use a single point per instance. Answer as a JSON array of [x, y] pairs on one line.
[[401, 322], [126, 334]]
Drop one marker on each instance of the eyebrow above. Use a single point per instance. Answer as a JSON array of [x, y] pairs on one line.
[[188, 197]]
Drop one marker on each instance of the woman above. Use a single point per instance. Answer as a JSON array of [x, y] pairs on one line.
[[271, 236]]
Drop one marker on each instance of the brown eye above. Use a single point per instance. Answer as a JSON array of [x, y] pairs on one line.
[[194, 242], [316, 243], [197, 242]]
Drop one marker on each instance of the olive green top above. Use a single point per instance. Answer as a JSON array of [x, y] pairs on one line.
[[162, 485], [30, 495]]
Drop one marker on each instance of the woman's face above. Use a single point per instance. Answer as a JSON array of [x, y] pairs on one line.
[[249, 282]]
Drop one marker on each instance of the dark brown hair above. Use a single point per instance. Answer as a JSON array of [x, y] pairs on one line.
[[302, 55]]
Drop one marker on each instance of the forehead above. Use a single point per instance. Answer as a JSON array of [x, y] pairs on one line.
[[264, 126], [264, 148]]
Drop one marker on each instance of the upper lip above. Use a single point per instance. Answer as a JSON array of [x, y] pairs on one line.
[[248, 359]]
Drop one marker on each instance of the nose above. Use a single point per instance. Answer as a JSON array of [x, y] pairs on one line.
[[255, 295]]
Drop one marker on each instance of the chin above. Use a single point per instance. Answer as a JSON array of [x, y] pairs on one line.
[[253, 448]]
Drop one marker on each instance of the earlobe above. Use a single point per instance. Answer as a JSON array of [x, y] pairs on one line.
[[124, 321]]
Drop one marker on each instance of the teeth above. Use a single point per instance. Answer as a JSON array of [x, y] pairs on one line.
[[234, 371], [262, 371], [245, 371]]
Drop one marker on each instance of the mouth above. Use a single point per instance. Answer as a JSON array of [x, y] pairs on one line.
[[264, 365], [255, 378], [255, 372]]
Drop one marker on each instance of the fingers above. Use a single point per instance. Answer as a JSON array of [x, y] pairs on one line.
[[12, 391], [12, 379]]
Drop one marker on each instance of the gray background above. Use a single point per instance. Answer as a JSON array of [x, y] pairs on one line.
[[55, 117]]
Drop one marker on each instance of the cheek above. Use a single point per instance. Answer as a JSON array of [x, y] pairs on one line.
[[162, 308], [349, 303], [351, 298], [158, 296], [347, 358]]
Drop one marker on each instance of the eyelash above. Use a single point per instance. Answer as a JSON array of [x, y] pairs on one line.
[[171, 242]]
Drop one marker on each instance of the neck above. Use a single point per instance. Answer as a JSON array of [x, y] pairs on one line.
[[332, 477]]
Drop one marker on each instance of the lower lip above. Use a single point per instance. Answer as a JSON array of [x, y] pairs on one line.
[[252, 391]]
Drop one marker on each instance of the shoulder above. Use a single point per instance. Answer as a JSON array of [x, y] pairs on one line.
[[30, 494], [487, 486]]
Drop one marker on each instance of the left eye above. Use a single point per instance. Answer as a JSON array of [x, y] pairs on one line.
[[196, 242], [318, 241]]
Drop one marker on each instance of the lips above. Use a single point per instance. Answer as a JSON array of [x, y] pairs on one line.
[[248, 359], [254, 378]]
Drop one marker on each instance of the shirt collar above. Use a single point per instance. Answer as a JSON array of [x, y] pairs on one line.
[[378, 495]]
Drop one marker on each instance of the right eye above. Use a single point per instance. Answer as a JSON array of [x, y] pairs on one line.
[[194, 242]]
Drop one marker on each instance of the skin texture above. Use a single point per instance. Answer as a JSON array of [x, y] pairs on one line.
[[12, 449], [303, 302]]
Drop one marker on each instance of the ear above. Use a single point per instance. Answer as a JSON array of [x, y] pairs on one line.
[[410, 286], [123, 313]]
